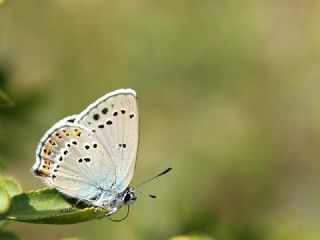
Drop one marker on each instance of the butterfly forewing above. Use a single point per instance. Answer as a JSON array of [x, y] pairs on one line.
[[72, 160], [114, 121]]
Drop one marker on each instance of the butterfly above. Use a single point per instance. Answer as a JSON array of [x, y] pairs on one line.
[[91, 156]]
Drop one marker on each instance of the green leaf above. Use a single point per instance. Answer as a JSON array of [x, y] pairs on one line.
[[48, 206], [192, 237], [10, 185], [5, 99], [4, 200], [73, 238], [3, 224], [8, 236], [8, 188]]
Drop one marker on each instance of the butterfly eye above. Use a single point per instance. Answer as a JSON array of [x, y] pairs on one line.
[[129, 198]]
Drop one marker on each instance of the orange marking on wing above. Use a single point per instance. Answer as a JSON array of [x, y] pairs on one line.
[[65, 132], [47, 165], [47, 151], [77, 132], [58, 135], [52, 142], [40, 173]]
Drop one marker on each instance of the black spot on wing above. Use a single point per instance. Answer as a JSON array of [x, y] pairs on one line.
[[86, 159], [123, 145], [104, 111], [71, 120], [96, 116]]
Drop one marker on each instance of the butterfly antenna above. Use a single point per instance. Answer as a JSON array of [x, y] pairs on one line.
[[150, 179], [120, 220], [147, 194]]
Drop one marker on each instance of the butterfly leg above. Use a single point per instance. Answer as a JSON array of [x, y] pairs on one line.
[[66, 210], [75, 205], [110, 212], [107, 214], [97, 209]]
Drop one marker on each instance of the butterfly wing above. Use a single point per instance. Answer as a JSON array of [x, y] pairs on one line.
[[114, 121], [72, 160]]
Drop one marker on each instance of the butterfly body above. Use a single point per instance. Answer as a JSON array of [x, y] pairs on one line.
[[91, 156]]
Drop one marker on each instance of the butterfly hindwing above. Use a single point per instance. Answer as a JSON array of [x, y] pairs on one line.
[[72, 160], [114, 121]]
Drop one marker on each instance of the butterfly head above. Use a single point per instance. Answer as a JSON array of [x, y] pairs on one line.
[[129, 196]]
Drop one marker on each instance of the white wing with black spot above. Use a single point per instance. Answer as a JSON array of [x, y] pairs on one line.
[[72, 160], [114, 120]]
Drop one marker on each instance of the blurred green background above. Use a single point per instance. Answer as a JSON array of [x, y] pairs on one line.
[[229, 97]]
